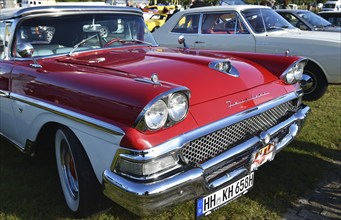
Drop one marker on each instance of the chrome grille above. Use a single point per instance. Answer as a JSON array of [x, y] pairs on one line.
[[208, 146]]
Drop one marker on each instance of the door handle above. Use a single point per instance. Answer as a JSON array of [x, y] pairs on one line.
[[199, 42]]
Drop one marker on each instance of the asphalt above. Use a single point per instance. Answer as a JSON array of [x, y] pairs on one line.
[[324, 203]]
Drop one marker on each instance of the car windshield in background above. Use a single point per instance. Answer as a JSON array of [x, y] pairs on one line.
[[265, 20], [314, 19], [67, 34]]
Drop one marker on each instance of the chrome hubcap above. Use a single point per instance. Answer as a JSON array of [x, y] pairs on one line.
[[69, 171], [307, 83]]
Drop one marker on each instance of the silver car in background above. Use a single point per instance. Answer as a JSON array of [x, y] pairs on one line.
[[258, 29]]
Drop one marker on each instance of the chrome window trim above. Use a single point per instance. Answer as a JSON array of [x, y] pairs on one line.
[[177, 143], [101, 125]]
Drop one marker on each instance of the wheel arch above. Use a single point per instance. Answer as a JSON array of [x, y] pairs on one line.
[[95, 142], [315, 64]]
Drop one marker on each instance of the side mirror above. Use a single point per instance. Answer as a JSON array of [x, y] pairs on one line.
[[182, 40], [25, 50]]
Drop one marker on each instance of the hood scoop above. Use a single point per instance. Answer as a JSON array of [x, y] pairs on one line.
[[224, 66]]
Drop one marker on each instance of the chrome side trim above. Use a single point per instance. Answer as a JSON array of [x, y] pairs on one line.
[[4, 93], [16, 144], [104, 126]]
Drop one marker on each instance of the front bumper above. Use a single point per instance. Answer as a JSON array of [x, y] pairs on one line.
[[147, 198]]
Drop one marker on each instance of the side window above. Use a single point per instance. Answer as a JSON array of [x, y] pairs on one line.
[[187, 24], [38, 36], [292, 19], [254, 18], [2, 39], [5, 34], [224, 23]]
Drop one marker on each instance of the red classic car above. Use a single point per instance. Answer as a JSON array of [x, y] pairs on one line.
[[146, 126]]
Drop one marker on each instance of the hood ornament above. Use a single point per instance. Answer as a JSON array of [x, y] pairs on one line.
[[224, 66], [154, 79]]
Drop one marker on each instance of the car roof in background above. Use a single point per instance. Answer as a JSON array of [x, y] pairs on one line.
[[330, 12], [292, 10], [223, 8], [20, 12]]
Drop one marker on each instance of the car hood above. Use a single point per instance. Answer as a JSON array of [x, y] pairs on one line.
[[179, 68]]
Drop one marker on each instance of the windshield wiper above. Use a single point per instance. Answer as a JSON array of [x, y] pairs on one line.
[[80, 43]]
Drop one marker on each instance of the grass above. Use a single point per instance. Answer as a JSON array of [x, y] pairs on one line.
[[29, 187]]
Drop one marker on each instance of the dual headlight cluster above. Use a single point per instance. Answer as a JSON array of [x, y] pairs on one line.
[[294, 73], [165, 111]]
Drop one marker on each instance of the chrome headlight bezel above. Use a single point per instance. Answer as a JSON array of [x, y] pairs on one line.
[[172, 111], [294, 73]]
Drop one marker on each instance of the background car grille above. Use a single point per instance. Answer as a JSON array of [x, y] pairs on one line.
[[206, 147]]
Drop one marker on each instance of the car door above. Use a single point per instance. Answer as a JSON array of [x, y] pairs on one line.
[[7, 121], [224, 31]]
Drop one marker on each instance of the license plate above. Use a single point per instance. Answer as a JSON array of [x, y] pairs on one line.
[[207, 204], [263, 155]]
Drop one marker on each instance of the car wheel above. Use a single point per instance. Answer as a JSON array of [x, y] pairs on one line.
[[78, 181], [313, 83]]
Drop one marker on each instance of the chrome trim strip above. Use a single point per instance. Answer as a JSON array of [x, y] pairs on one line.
[[71, 9], [178, 142], [4, 93], [104, 126], [16, 144]]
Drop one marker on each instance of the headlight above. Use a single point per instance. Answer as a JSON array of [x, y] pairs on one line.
[[164, 111], [298, 70], [177, 106], [147, 168], [294, 73], [156, 115]]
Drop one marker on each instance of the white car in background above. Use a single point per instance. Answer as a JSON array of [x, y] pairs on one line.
[[258, 29]]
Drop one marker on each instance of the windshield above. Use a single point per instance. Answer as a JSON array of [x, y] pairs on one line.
[[265, 20], [67, 34], [315, 20]]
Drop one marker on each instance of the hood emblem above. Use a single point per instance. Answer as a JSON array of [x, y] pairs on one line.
[[253, 97], [154, 79]]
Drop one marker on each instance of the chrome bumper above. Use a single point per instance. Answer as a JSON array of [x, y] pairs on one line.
[[147, 198]]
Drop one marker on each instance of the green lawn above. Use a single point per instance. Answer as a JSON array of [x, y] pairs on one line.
[[29, 187]]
